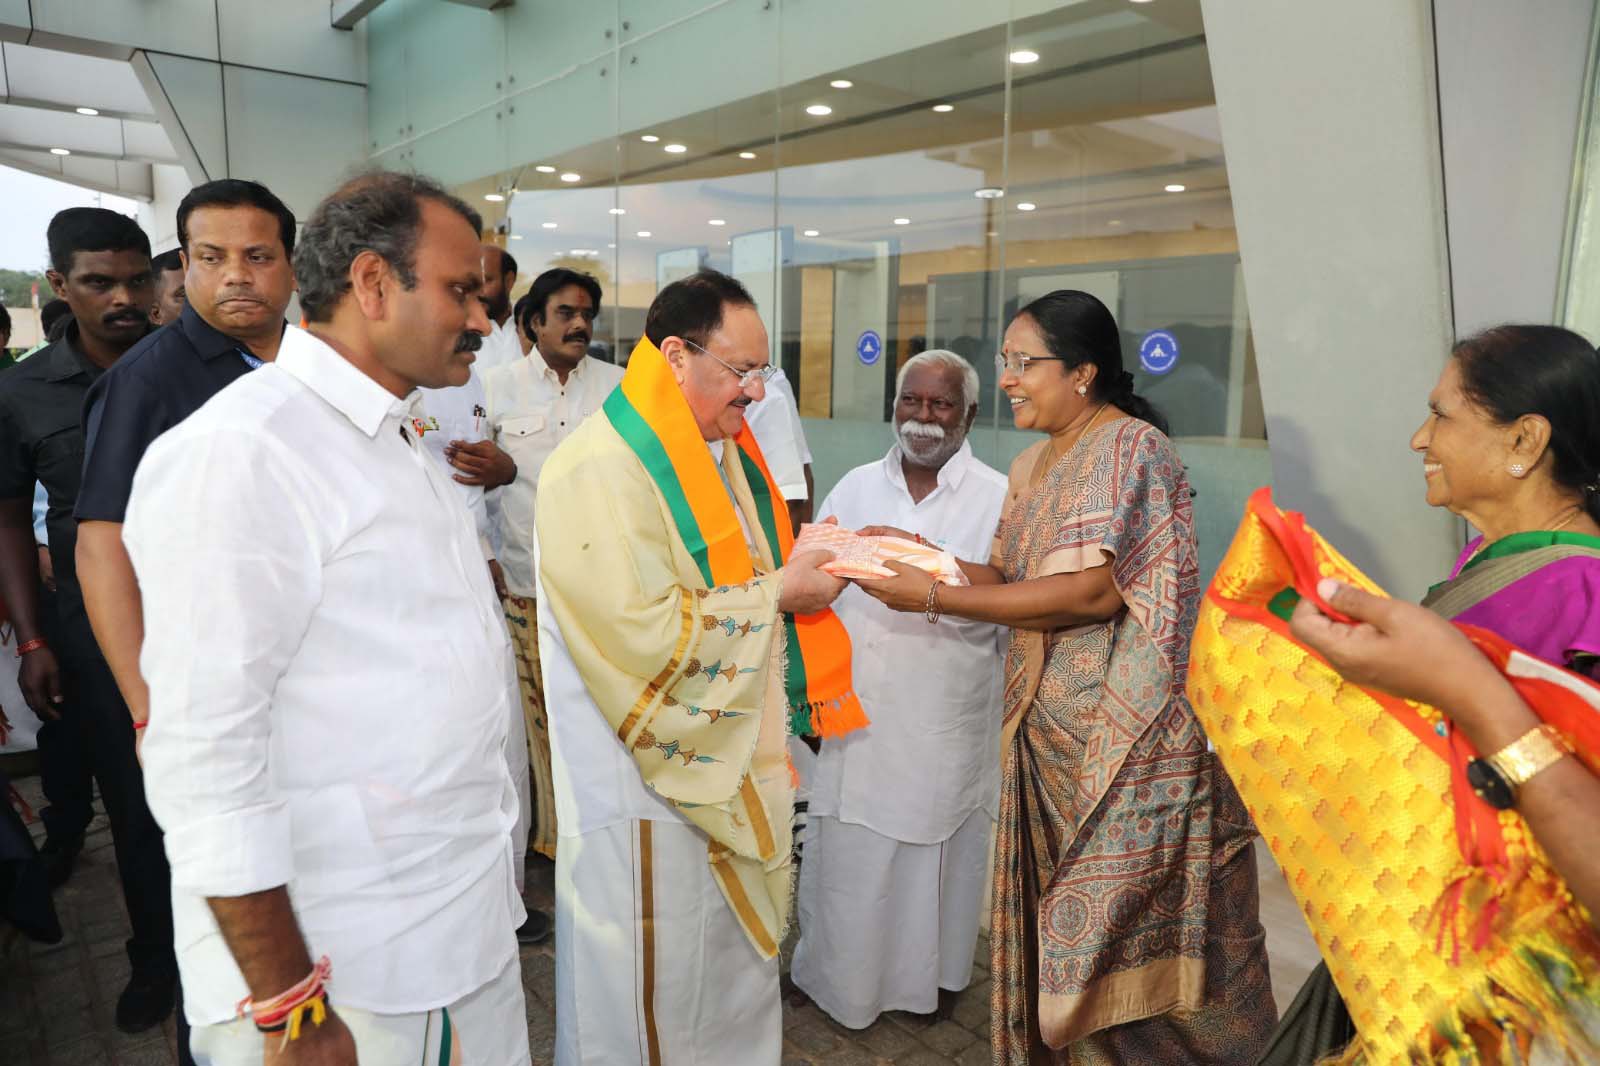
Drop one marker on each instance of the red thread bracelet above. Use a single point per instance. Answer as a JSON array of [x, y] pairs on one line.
[[140, 725], [31, 645]]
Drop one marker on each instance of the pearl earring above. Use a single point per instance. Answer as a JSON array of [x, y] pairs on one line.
[[1517, 470], [1083, 390]]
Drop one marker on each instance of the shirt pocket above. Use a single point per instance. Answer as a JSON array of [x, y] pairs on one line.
[[59, 462], [523, 433]]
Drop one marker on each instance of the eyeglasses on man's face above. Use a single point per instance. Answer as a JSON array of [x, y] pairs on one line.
[[747, 378], [1016, 362]]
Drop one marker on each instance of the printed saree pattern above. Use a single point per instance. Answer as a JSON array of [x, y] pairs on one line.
[[1125, 923]]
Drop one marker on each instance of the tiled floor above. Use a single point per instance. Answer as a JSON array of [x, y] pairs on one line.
[[56, 1001]]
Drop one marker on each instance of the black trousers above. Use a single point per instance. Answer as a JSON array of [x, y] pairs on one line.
[[64, 772], [98, 717]]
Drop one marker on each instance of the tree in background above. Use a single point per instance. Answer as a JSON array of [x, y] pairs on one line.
[[16, 288]]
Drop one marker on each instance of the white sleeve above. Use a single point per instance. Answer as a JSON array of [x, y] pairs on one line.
[[229, 559], [781, 446], [793, 407]]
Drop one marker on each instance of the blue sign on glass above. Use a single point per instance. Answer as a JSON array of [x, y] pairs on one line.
[[1158, 352], [869, 347]]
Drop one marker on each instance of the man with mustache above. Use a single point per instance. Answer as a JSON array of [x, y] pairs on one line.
[[100, 265], [330, 677], [501, 345], [534, 404], [897, 845]]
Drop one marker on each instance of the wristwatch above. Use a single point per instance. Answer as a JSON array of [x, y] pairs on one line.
[[1496, 778]]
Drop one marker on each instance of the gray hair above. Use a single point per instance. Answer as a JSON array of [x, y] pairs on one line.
[[943, 357], [378, 212]]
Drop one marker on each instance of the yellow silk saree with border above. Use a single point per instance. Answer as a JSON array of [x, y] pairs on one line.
[[1448, 934]]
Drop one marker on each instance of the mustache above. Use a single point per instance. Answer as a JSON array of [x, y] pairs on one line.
[[922, 432], [127, 314], [576, 335], [240, 294], [469, 342]]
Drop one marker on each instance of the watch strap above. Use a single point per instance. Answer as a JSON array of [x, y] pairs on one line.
[[1530, 754]]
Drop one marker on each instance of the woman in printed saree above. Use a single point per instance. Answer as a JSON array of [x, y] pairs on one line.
[[1511, 443], [1125, 925]]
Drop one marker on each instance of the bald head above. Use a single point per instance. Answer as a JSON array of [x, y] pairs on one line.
[[499, 277]]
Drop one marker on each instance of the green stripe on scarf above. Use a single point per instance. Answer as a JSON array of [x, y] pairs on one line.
[[794, 678], [633, 429]]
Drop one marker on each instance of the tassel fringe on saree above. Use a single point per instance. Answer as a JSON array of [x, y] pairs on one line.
[[1449, 936]]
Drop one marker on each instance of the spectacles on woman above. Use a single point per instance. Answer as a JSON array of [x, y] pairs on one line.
[[747, 378], [1018, 363]]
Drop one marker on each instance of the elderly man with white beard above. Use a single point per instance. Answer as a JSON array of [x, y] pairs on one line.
[[897, 849]]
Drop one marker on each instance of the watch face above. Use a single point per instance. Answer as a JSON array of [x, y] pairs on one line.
[[1487, 783]]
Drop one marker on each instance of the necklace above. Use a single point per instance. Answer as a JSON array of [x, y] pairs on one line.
[[1572, 516], [1050, 457]]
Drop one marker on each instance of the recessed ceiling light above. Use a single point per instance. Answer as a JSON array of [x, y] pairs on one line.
[[1026, 206], [842, 83], [992, 233], [492, 197], [516, 236], [813, 233], [619, 210], [675, 149], [1024, 55], [747, 155], [989, 193], [545, 168], [1113, 221], [547, 225], [716, 222], [819, 110], [570, 176], [88, 110], [611, 246], [902, 222], [944, 109], [649, 138], [585, 251], [60, 151], [642, 233], [1175, 187]]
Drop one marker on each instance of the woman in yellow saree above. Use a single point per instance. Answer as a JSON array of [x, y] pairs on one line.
[[1125, 925]]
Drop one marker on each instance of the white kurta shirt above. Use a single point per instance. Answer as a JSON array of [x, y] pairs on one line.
[[775, 422], [932, 753], [501, 347], [530, 412], [459, 413], [330, 678]]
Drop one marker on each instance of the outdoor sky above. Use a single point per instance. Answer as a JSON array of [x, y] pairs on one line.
[[27, 202]]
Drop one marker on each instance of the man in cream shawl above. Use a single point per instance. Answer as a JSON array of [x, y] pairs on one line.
[[665, 685]]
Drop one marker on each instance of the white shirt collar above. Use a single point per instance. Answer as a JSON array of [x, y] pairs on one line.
[[950, 476], [331, 376], [545, 370]]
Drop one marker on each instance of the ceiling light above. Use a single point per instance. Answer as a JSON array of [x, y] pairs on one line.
[[1175, 187], [819, 110], [60, 151], [813, 233], [992, 233], [642, 233], [611, 246], [547, 225], [545, 168], [842, 83], [675, 149], [571, 176], [902, 222], [747, 155], [1024, 55], [1026, 206], [619, 210], [492, 197], [1113, 221], [516, 236], [585, 251], [716, 222], [88, 110], [649, 138], [944, 109], [989, 193]]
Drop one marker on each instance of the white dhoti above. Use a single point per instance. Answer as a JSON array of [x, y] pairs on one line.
[[517, 763], [488, 1027], [884, 925], [651, 966]]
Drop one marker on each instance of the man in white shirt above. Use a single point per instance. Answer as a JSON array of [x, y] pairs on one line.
[[897, 839], [329, 672], [501, 347], [535, 404], [775, 420]]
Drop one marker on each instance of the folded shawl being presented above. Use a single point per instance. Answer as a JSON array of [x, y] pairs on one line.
[[1449, 935]]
